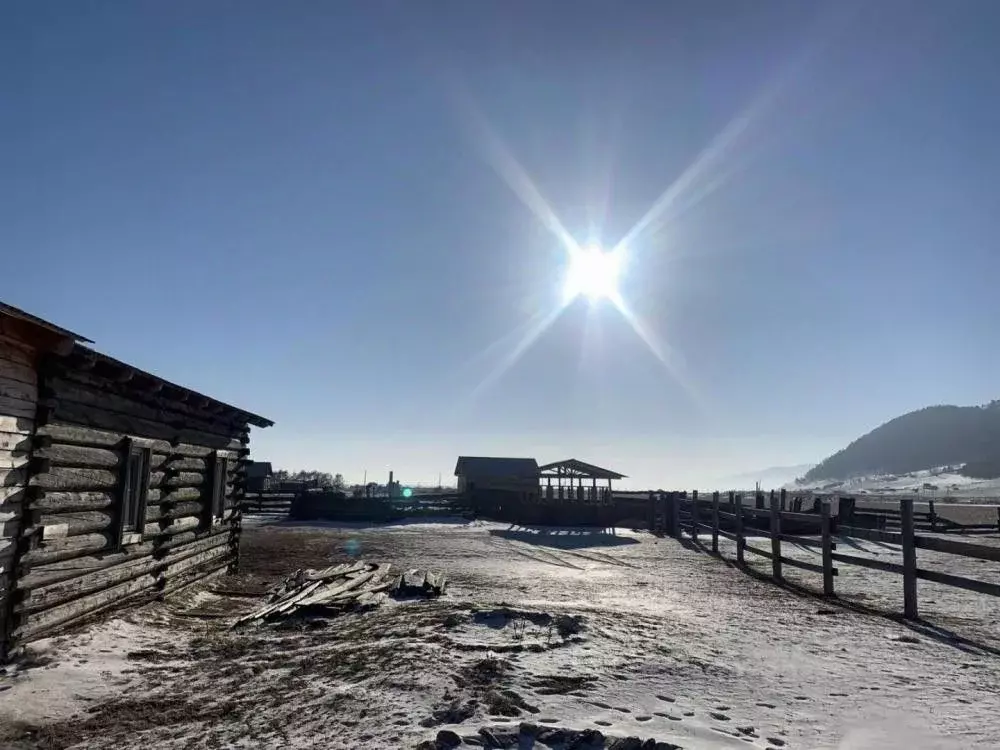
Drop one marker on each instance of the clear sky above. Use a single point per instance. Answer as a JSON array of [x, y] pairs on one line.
[[320, 212]]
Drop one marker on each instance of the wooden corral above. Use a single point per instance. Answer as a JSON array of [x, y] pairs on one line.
[[119, 486], [730, 518]]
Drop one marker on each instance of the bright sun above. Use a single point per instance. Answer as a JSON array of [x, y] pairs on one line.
[[593, 273]]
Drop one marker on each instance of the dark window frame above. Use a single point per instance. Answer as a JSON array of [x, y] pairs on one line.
[[134, 489], [215, 504]]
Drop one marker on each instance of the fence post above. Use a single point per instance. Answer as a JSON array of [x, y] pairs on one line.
[[675, 514], [909, 560], [784, 499], [694, 515], [775, 538], [652, 513], [824, 510], [740, 541], [933, 517], [715, 523]]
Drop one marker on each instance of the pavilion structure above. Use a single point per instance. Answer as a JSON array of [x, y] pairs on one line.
[[578, 480]]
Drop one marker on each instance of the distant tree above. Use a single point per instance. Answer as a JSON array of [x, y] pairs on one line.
[[338, 482]]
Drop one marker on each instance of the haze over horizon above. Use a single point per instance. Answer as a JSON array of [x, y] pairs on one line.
[[353, 219]]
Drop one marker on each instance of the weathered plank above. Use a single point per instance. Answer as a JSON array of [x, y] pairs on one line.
[[17, 407], [59, 478], [184, 479], [83, 585]]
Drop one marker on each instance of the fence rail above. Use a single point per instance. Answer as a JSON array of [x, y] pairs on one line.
[[678, 514]]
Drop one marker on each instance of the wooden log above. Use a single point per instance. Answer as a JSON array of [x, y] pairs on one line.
[[15, 441], [67, 548], [17, 372], [46, 574], [909, 560], [17, 407], [163, 512], [96, 579], [75, 479], [59, 389], [741, 541], [16, 353], [12, 495], [13, 477], [79, 456], [115, 596], [16, 389], [57, 432], [70, 412], [185, 479], [17, 425], [59, 502], [76, 523], [42, 598], [775, 537], [178, 495], [165, 399], [13, 459], [715, 523], [695, 515], [827, 541]]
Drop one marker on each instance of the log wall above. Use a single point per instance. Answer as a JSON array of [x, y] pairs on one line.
[[18, 397], [76, 559]]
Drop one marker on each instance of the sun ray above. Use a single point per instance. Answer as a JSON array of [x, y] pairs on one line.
[[538, 325], [666, 355], [516, 177]]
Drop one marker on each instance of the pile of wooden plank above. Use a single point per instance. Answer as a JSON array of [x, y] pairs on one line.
[[343, 588]]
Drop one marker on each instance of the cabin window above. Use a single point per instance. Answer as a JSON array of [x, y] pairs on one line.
[[135, 487], [220, 471]]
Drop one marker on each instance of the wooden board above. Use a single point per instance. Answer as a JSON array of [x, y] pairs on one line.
[[16, 407], [17, 371], [16, 389], [18, 425]]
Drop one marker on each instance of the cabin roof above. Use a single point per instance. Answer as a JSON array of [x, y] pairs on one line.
[[19, 314], [573, 467], [488, 466], [86, 353]]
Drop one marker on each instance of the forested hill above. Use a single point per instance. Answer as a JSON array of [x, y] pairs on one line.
[[925, 439]]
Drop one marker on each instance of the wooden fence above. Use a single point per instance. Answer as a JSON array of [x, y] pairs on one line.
[[678, 514], [269, 504]]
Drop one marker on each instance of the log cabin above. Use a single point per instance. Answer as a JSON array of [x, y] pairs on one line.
[[116, 486]]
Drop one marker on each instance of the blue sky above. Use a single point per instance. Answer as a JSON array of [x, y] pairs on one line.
[[299, 208]]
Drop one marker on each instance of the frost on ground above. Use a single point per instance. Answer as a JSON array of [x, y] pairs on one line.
[[574, 638]]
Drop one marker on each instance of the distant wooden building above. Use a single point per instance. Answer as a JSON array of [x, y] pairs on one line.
[[257, 475], [482, 473], [115, 485], [577, 480]]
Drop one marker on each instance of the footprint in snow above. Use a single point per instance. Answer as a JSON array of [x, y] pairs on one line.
[[718, 716], [643, 718], [605, 706], [623, 709], [601, 722], [667, 699], [767, 705]]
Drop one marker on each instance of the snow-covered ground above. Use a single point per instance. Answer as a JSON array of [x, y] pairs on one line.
[[673, 645], [940, 483]]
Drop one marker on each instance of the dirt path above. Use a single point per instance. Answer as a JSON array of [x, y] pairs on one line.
[[620, 633]]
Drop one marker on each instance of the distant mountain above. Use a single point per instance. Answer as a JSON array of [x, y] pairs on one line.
[[967, 436], [774, 476]]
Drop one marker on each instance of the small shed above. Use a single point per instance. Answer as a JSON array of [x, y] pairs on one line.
[[258, 472], [482, 473], [115, 484]]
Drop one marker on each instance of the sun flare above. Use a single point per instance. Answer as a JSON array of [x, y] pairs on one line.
[[593, 273]]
